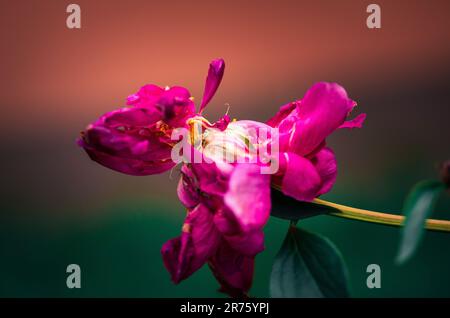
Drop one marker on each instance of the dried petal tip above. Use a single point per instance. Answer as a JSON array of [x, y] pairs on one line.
[[445, 173]]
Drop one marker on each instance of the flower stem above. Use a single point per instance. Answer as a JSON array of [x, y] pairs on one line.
[[379, 217]]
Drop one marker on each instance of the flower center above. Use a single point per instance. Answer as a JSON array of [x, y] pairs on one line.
[[239, 142]]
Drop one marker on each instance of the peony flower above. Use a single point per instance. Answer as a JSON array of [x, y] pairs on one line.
[[227, 192]]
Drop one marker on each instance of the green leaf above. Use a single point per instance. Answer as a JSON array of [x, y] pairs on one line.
[[308, 265], [418, 207], [288, 208]]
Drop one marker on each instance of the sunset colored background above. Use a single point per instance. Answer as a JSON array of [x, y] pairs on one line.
[[58, 207]]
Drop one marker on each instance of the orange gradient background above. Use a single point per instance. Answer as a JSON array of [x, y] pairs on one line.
[[54, 81]]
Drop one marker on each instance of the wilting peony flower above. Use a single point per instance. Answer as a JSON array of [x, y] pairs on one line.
[[227, 201]]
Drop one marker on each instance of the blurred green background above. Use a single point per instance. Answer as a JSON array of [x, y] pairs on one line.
[[58, 207], [119, 252]]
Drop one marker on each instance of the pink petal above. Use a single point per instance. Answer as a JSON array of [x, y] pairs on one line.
[[175, 106], [246, 243], [186, 190], [233, 270], [356, 122], [128, 117], [222, 123], [127, 141], [129, 166], [326, 165], [146, 97], [215, 74], [185, 254], [322, 110], [300, 178], [248, 196], [210, 178], [284, 111]]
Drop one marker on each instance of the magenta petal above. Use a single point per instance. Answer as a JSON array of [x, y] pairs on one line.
[[127, 140], [215, 74], [248, 196], [186, 190], [222, 123], [129, 166], [175, 106], [129, 118], [147, 96], [225, 222], [356, 122], [326, 166], [301, 179], [233, 270], [322, 110], [246, 243], [185, 254], [284, 111], [210, 179]]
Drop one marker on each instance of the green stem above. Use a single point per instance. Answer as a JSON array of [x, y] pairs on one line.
[[379, 217]]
